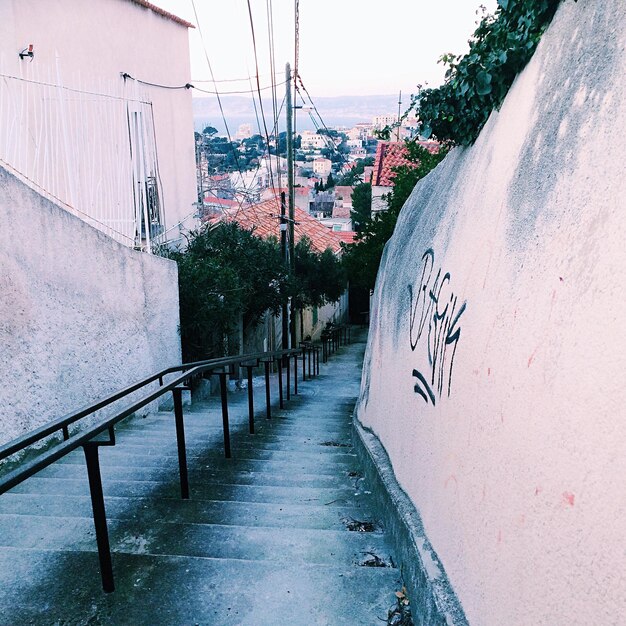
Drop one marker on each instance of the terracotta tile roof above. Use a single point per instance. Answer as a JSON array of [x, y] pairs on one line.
[[347, 236], [162, 12], [390, 154], [340, 211], [222, 202], [263, 219], [345, 191]]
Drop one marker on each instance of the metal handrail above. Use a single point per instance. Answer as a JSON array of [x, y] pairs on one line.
[[87, 438], [191, 369]]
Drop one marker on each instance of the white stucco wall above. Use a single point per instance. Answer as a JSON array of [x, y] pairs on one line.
[[517, 463], [77, 151], [80, 315]]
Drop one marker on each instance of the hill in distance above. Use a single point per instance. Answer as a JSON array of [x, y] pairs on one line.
[[335, 111]]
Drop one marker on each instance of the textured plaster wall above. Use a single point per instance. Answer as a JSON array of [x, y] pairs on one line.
[[80, 315], [495, 368]]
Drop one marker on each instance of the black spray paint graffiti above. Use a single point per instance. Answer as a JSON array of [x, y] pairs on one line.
[[435, 314]]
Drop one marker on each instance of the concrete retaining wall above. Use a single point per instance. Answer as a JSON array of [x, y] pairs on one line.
[[494, 374], [80, 315]]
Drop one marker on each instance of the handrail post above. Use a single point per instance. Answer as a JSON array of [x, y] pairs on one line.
[[317, 360], [288, 376], [99, 515], [250, 400], [280, 383], [310, 350], [224, 397], [304, 363], [177, 394], [267, 390], [295, 373]]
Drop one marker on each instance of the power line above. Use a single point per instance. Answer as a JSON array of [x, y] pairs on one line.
[[74, 90], [270, 36], [219, 100], [256, 63], [240, 92], [298, 77], [126, 75]]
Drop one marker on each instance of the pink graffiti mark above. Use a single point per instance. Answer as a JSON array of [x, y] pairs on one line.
[[568, 498], [538, 490], [561, 278], [488, 371], [451, 477], [532, 356]]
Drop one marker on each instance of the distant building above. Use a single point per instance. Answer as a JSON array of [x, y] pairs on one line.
[[313, 141], [380, 121], [244, 131], [322, 167], [343, 201], [322, 203], [360, 132]]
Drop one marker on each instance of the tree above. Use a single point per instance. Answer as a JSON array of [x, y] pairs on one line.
[[210, 131], [361, 205], [330, 181], [355, 175], [362, 258], [224, 273], [319, 278]]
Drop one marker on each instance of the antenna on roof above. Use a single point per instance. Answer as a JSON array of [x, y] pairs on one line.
[[399, 109]]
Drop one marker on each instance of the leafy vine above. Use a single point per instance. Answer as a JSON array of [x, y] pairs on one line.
[[476, 83]]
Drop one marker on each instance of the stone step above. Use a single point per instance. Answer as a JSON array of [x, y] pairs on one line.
[[324, 442], [134, 536], [170, 463], [217, 592], [202, 475], [175, 510], [199, 491]]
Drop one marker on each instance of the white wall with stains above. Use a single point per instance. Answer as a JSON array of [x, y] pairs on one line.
[[81, 315], [495, 374]]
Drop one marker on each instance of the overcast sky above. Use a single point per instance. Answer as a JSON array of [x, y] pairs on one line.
[[347, 47]]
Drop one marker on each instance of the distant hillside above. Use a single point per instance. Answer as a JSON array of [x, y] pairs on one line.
[[336, 111]]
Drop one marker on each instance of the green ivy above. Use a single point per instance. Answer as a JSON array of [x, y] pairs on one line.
[[476, 84]]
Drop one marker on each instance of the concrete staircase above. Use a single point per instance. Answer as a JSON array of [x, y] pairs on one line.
[[282, 533]]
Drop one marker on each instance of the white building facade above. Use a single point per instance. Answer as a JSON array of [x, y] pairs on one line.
[[85, 116]]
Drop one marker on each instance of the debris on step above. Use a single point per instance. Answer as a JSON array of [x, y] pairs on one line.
[[358, 526], [374, 561], [400, 613], [336, 444]]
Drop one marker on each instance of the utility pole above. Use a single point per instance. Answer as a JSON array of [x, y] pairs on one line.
[[399, 108], [292, 247], [283, 250]]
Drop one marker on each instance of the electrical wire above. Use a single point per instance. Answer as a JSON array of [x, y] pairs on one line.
[[219, 100], [270, 37], [256, 63], [126, 75], [74, 90], [330, 141]]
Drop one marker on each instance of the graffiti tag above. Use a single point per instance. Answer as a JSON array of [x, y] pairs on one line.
[[434, 327]]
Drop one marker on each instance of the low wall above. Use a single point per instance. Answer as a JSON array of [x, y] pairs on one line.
[[80, 315], [494, 373]]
